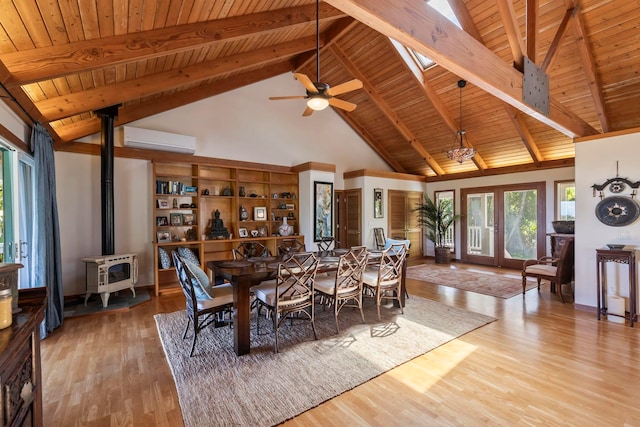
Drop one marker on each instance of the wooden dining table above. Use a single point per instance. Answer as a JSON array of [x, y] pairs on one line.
[[245, 273]]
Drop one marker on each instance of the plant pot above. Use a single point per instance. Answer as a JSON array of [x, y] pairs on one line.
[[443, 255]]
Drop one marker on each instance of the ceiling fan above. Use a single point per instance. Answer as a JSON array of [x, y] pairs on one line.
[[320, 95]]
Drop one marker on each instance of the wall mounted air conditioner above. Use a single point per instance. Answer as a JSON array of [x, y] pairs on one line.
[[156, 140]]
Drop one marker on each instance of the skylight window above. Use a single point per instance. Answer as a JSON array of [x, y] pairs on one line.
[[442, 6]]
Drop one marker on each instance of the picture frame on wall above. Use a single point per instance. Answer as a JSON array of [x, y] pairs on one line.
[[378, 206], [163, 237], [322, 210], [260, 213]]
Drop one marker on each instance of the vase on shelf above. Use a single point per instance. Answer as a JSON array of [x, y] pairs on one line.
[[244, 215], [285, 229]]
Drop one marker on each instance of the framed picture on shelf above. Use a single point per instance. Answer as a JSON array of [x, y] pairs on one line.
[[162, 203], [377, 203], [322, 210], [187, 219], [260, 213], [242, 232], [163, 236], [290, 206], [176, 219], [162, 221]]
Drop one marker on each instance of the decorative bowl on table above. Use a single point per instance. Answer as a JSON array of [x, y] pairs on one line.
[[613, 246], [564, 227]]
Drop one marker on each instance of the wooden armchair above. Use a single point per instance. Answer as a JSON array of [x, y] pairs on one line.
[[558, 271]]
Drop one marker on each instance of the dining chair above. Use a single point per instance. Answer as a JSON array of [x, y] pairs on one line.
[[385, 280], [203, 301], [291, 294], [378, 235], [287, 246], [250, 250], [558, 271], [326, 245], [343, 288]]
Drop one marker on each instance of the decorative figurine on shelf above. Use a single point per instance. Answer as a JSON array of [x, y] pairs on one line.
[[242, 192], [244, 215], [285, 229], [218, 230], [175, 202]]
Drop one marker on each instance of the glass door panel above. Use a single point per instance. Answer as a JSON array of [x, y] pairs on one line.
[[479, 227], [521, 224]]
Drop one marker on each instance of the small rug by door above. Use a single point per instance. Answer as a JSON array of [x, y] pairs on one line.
[[500, 285], [216, 387]]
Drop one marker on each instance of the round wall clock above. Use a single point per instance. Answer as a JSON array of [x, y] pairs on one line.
[[617, 211]]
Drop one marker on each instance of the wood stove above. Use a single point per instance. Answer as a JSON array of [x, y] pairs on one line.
[[110, 273]]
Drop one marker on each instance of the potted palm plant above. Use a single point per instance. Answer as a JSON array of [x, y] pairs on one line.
[[436, 219]]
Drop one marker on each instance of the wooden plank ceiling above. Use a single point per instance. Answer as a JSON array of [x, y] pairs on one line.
[[61, 60]]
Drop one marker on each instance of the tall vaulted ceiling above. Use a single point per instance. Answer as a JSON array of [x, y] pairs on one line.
[[62, 60]]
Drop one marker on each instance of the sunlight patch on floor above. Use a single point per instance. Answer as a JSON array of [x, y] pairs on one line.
[[425, 371]]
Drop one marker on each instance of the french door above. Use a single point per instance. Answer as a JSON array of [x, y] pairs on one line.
[[502, 226], [17, 212]]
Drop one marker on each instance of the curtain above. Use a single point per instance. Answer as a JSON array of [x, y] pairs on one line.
[[47, 233]]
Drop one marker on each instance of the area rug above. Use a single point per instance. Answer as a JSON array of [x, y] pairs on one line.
[[500, 285], [216, 387], [122, 300]]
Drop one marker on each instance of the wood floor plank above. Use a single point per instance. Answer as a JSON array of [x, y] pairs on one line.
[[541, 363]]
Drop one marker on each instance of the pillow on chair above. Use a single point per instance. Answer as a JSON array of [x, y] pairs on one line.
[[188, 255], [389, 242], [202, 287]]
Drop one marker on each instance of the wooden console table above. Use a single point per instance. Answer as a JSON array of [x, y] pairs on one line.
[[620, 256]]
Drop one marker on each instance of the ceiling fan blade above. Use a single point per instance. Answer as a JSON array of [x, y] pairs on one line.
[[345, 87], [345, 105], [278, 98], [307, 112], [306, 82]]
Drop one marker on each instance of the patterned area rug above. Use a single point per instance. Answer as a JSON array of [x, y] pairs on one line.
[[500, 285], [216, 387]]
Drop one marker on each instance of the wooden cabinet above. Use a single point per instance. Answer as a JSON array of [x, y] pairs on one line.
[[20, 373], [196, 191]]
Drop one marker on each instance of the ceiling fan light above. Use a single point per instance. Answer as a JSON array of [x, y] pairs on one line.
[[317, 103]]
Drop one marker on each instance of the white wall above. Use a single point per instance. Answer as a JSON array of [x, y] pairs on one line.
[[14, 124], [595, 163]]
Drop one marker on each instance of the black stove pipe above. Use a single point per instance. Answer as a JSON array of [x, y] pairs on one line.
[[108, 116]]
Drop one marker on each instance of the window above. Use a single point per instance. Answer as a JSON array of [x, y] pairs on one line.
[[565, 200], [449, 238]]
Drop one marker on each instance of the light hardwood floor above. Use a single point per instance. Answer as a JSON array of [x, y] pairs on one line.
[[542, 363]]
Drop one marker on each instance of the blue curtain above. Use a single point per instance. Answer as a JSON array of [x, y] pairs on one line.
[[47, 233]]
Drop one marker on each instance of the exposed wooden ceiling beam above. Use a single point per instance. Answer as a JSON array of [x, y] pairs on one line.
[[371, 140], [532, 29], [511, 27], [521, 127], [555, 43], [27, 66], [331, 36], [129, 90], [400, 126], [589, 67], [436, 101], [130, 113], [428, 32]]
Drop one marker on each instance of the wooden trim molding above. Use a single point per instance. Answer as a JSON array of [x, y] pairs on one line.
[[606, 135], [384, 174], [17, 142], [314, 166]]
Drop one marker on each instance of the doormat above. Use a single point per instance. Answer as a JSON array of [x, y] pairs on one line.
[[118, 301]]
